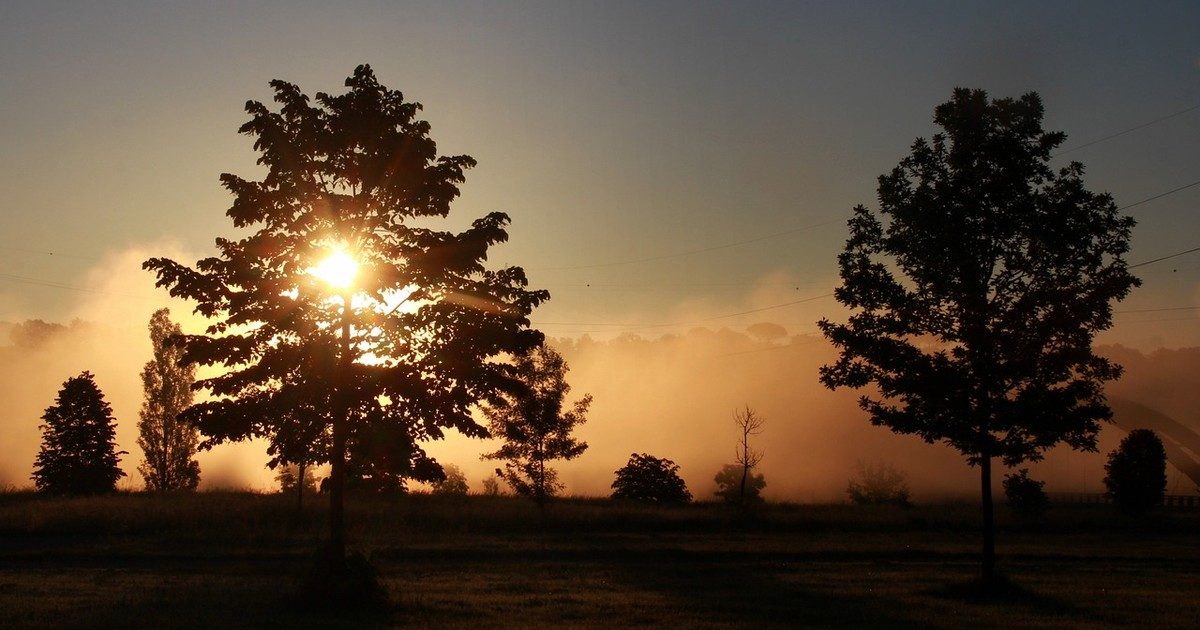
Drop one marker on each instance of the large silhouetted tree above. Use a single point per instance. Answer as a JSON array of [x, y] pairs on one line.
[[535, 426], [343, 296], [79, 451], [977, 292], [168, 442]]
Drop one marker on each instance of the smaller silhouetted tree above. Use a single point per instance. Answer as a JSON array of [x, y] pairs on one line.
[[648, 478], [878, 484], [296, 478], [734, 486], [534, 425], [1137, 472], [491, 486], [79, 452], [749, 423], [168, 441], [454, 484], [1026, 496]]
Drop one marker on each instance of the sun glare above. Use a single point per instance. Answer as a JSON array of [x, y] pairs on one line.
[[338, 269]]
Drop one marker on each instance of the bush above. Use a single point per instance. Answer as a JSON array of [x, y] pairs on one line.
[[878, 484], [729, 485], [455, 483], [648, 478], [491, 486], [1137, 472], [1026, 496]]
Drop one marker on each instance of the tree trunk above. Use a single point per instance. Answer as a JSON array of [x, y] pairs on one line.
[[989, 521], [300, 486], [742, 489], [337, 474]]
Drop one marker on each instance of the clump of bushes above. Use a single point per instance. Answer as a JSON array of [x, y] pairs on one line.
[[878, 484], [1026, 496], [455, 483], [729, 485], [650, 479]]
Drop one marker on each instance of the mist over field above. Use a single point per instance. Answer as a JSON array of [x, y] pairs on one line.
[[669, 395]]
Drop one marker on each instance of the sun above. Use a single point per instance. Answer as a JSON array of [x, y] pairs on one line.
[[338, 269]]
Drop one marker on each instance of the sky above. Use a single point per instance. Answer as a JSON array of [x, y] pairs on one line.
[[667, 165]]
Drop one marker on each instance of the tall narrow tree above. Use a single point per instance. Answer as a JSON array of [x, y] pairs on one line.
[[535, 426], [345, 297], [168, 442], [976, 298], [79, 451]]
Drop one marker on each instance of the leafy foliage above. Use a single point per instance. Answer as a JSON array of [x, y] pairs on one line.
[[290, 478], [648, 478], [1026, 496], [454, 484], [534, 425], [730, 486], [379, 367], [1136, 472], [168, 442], [976, 293], [78, 454], [878, 484]]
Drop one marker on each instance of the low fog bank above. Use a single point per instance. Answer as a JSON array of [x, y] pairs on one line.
[[673, 396]]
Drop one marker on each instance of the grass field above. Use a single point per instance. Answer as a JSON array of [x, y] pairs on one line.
[[231, 559]]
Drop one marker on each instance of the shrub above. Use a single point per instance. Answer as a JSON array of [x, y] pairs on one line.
[[729, 484], [454, 484], [1137, 472], [648, 478], [1026, 496], [878, 484]]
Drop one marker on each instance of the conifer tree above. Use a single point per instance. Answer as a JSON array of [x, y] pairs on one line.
[[78, 454]]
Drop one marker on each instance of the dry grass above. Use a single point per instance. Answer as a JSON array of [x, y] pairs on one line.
[[233, 559]]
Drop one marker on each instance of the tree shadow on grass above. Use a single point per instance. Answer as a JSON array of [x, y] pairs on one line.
[[1004, 592], [748, 593]]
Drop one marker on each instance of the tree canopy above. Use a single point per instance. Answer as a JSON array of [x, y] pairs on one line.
[[345, 316], [1136, 472], [79, 451], [977, 290], [651, 479]]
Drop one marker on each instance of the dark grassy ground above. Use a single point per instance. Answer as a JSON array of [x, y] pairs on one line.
[[227, 559]]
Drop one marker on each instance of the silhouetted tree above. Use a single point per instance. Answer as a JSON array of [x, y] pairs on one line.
[[454, 484], [748, 423], [1026, 496], [1136, 472], [296, 478], [734, 486], [878, 484], [491, 486], [168, 442], [534, 425], [79, 451], [345, 298], [648, 478], [974, 305]]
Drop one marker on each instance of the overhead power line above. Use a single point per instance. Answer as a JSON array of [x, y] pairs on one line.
[[1167, 257], [1125, 131]]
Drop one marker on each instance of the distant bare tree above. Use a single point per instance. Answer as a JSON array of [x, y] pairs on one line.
[[749, 423]]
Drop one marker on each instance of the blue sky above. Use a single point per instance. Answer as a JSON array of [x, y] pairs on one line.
[[609, 131]]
